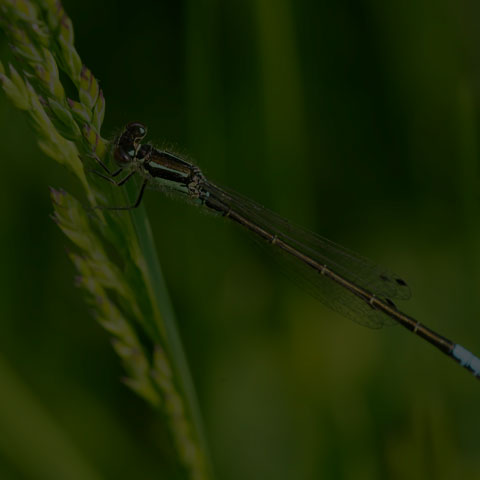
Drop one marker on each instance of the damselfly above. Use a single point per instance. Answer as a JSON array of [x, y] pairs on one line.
[[345, 281]]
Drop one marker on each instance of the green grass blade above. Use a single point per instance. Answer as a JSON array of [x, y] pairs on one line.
[[32, 440]]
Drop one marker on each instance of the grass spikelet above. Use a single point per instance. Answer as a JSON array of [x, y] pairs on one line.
[[128, 295]]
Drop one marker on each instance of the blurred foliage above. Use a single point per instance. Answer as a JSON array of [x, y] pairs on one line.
[[358, 120]]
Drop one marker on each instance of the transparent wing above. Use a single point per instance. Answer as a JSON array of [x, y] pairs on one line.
[[378, 281]]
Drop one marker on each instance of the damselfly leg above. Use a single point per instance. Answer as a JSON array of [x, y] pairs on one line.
[[102, 164], [111, 180], [137, 201], [119, 184]]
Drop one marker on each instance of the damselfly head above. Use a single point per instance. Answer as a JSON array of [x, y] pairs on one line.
[[136, 131], [126, 145], [124, 157]]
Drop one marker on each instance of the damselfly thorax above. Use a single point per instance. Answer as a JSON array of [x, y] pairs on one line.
[[165, 170]]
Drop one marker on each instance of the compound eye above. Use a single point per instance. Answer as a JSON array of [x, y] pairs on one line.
[[136, 130], [122, 157]]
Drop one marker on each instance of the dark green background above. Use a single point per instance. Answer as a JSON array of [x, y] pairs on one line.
[[356, 119]]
